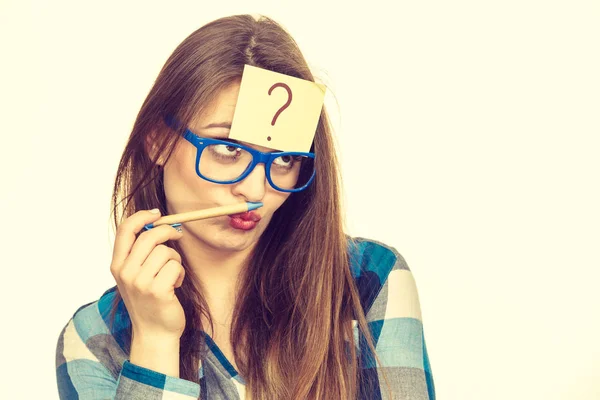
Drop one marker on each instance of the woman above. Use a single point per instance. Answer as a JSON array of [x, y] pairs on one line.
[[275, 304]]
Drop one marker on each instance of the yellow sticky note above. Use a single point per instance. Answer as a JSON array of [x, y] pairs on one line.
[[276, 110]]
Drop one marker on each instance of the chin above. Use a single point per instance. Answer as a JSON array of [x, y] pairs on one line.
[[219, 235], [231, 239]]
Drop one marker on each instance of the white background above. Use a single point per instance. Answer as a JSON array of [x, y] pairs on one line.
[[469, 136]]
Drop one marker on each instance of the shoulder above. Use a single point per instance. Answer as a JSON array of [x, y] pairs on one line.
[[375, 267], [371, 256], [388, 294], [90, 336]]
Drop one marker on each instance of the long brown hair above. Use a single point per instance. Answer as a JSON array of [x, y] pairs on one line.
[[292, 323]]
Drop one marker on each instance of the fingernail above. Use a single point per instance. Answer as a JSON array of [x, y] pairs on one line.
[[155, 211], [178, 228]]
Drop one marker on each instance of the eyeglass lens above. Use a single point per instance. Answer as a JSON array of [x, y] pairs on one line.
[[224, 163]]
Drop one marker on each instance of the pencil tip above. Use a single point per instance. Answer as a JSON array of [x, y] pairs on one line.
[[253, 206]]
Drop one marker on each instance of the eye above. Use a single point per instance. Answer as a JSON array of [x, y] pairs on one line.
[[287, 160], [226, 150]]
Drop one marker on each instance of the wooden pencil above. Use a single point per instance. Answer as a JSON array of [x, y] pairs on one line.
[[204, 214]]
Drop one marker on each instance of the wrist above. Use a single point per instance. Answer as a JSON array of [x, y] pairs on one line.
[[152, 339], [160, 354]]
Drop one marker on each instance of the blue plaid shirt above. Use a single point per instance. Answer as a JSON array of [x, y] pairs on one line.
[[91, 363]]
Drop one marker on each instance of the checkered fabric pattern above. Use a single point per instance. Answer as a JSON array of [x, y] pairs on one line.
[[91, 363]]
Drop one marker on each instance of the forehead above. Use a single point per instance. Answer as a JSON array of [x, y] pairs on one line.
[[215, 120]]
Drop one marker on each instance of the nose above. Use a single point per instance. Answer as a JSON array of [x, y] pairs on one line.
[[253, 186]]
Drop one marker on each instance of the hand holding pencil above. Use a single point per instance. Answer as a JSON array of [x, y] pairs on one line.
[[147, 273]]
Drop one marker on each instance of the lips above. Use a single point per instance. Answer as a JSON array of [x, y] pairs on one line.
[[247, 216]]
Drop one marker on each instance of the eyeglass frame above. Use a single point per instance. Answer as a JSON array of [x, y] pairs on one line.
[[258, 157]]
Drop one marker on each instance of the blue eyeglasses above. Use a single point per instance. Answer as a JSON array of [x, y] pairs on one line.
[[225, 162]]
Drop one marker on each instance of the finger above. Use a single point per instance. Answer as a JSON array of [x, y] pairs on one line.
[[147, 241], [159, 256], [126, 235], [180, 278], [167, 278]]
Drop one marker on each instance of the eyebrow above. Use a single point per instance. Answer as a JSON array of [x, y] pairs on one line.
[[226, 139], [218, 125]]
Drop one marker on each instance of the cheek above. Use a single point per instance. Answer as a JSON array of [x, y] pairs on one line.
[[184, 189], [275, 199]]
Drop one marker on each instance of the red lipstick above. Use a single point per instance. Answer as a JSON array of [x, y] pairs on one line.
[[247, 216], [245, 221]]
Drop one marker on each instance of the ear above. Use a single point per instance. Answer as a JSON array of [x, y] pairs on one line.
[[153, 150]]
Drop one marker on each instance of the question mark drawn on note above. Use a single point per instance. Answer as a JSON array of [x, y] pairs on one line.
[[283, 107]]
